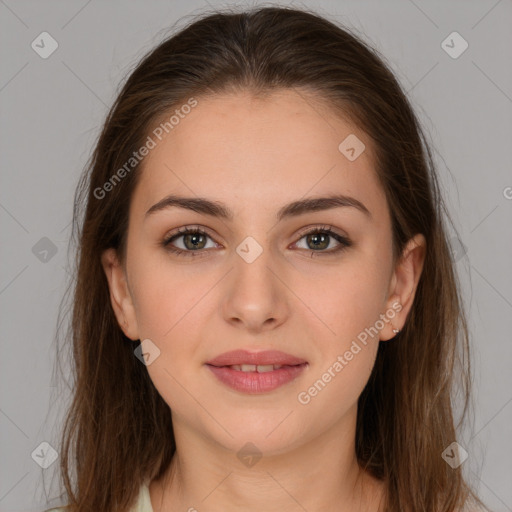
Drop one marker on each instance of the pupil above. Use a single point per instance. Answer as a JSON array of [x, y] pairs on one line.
[[315, 238], [194, 238]]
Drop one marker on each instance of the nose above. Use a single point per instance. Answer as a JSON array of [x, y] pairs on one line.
[[256, 297]]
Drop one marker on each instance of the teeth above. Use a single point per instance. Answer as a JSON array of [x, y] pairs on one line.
[[265, 368], [261, 368]]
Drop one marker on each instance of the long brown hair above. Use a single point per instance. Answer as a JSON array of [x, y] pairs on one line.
[[118, 430]]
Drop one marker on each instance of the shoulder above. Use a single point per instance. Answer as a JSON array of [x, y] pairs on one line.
[[473, 506], [142, 504]]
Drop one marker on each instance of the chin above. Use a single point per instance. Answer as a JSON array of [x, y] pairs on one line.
[[266, 433]]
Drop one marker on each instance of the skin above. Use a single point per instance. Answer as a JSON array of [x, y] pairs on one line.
[[255, 155]]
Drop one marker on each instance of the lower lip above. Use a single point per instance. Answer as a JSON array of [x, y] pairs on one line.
[[254, 382]]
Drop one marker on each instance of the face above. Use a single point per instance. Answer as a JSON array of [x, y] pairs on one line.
[[255, 280]]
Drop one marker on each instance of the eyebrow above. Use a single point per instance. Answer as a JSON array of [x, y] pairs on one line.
[[293, 209]]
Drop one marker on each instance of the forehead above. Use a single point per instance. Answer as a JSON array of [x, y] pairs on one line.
[[259, 152]]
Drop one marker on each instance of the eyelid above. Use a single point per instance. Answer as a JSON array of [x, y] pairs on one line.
[[183, 230], [315, 227]]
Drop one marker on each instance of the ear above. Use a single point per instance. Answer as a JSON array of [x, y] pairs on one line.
[[404, 282], [120, 296]]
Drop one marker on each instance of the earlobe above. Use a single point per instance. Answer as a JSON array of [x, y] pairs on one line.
[[120, 296], [403, 285]]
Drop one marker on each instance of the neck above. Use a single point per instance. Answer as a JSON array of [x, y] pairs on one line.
[[320, 474]]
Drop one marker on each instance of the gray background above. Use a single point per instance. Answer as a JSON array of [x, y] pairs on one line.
[[52, 109]]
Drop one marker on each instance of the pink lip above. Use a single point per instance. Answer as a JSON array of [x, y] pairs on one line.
[[257, 358], [254, 382]]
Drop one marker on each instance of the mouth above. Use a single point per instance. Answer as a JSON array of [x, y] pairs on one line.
[[260, 368], [256, 372]]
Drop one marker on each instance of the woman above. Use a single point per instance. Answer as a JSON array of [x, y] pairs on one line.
[[266, 314]]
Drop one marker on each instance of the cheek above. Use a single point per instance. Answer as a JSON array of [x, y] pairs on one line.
[[348, 300], [333, 393], [349, 303], [166, 298], [340, 375], [169, 312]]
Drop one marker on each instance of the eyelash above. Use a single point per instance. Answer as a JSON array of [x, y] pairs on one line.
[[344, 241]]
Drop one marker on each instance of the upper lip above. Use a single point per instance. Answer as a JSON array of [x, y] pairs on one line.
[[265, 357]]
